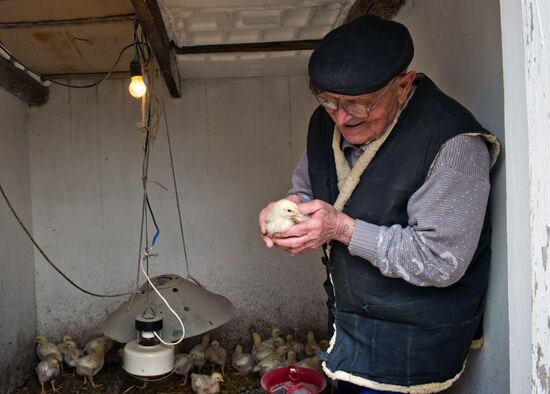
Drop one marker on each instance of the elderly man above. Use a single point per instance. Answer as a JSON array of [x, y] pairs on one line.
[[395, 178]]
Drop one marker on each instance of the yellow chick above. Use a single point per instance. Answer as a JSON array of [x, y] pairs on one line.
[[312, 347], [311, 362], [91, 346], [205, 384], [291, 359], [89, 365], [282, 216], [271, 362], [47, 371], [275, 333], [242, 362], [45, 350], [72, 354], [297, 347], [216, 355], [259, 350], [198, 352], [63, 345], [183, 364]]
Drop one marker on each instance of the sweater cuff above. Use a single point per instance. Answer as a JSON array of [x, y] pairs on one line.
[[364, 240]]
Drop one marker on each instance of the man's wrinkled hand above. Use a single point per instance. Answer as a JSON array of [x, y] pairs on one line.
[[325, 224]]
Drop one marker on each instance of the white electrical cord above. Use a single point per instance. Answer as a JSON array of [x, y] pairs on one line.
[[147, 253]]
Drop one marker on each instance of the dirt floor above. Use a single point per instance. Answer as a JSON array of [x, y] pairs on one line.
[[115, 380]]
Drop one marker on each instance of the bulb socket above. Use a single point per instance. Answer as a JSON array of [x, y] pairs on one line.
[[135, 68], [146, 323]]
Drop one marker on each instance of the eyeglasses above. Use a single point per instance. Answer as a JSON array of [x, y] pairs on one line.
[[354, 109]]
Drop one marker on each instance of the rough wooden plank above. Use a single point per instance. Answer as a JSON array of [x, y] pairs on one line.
[[21, 84], [386, 9], [298, 45], [148, 13], [68, 22]]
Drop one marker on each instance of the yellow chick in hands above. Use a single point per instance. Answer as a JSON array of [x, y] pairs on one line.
[[282, 216]]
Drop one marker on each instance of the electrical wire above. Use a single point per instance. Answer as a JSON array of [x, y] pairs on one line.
[[177, 196], [146, 254], [46, 256], [138, 43], [146, 204], [95, 83], [91, 85]]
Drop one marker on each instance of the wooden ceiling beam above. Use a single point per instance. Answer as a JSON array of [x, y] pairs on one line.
[[298, 45], [386, 9], [150, 18], [68, 22], [21, 84]]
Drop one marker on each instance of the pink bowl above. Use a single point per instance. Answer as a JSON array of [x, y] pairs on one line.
[[293, 379]]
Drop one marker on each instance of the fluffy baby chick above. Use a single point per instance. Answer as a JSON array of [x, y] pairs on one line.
[[89, 365], [216, 355], [259, 350], [291, 359], [62, 347], [45, 350], [282, 216], [242, 362], [312, 347], [311, 362], [204, 384], [183, 364], [275, 333], [91, 346], [271, 362], [198, 352], [47, 371], [71, 354], [296, 347]]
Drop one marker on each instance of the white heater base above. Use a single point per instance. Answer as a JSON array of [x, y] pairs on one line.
[[148, 360]]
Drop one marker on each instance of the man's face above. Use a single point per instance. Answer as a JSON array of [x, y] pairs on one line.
[[381, 108]]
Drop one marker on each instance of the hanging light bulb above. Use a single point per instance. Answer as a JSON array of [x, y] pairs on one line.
[[137, 86]]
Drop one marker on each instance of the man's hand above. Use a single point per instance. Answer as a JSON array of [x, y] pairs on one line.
[[325, 224]]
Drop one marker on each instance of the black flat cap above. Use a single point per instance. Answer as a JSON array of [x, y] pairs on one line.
[[361, 56]]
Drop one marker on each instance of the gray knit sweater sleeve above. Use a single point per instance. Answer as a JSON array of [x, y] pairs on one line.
[[445, 219]]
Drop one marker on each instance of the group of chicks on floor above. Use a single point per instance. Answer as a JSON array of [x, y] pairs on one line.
[[275, 352], [267, 355], [85, 362]]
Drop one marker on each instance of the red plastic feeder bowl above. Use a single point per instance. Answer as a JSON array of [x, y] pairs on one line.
[[293, 380]]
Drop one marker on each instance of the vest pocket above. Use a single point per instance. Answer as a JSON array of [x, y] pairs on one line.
[[409, 355], [445, 307]]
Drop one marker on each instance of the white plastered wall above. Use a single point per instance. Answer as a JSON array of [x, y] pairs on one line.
[[458, 44], [235, 144], [526, 61], [17, 297]]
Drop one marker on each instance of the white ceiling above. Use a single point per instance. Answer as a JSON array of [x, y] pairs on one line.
[[74, 49], [214, 22]]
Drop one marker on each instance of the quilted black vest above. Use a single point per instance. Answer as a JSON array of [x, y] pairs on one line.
[[388, 330]]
